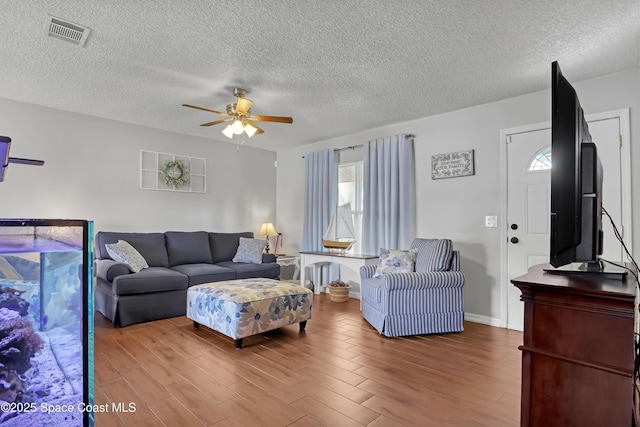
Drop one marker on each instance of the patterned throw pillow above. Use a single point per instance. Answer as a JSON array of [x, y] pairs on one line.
[[125, 253], [250, 250], [395, 261]]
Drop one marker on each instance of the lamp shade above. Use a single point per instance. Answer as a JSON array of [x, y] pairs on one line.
[[237, 127], [228, 131], [267, 230], [250, 129]]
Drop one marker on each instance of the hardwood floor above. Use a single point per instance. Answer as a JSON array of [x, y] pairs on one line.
[[339, 372]]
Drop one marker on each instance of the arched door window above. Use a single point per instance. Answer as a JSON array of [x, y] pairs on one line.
[[541, 161]]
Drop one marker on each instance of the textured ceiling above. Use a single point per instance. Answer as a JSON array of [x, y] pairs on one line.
[[336, 67]]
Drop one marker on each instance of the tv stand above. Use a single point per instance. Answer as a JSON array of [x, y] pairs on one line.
[[578, 349]]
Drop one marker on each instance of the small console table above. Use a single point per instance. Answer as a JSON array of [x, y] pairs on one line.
[[578, 350], [352, 261], [289, 267]]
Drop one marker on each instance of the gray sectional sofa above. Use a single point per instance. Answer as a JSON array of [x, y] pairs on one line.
[[177, 260]]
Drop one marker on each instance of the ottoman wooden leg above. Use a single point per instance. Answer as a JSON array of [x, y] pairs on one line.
[[196, 324], [303, 325], [238, 343]]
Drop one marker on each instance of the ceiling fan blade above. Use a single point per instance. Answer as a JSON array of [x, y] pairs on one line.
[[204, 109], [243, 105], [276, 119], [26, 161], [215, 123]]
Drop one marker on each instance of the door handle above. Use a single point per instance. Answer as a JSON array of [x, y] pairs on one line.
[[514, 240]]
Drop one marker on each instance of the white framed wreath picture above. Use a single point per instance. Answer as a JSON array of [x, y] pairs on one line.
[[172, 172]]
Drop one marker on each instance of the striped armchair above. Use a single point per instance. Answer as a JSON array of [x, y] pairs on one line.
[[426, 301]]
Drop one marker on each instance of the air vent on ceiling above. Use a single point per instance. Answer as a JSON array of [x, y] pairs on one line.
[[67, 31]]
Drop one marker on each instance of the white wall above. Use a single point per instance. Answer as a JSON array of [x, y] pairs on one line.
[[92, 169], [455, 208]]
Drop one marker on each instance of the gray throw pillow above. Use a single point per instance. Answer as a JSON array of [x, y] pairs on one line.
[[250, 250], [125, 253]]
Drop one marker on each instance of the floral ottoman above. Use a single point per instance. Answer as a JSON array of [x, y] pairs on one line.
[[244, 307]]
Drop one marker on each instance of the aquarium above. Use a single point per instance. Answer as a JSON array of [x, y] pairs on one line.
[[46, 322]]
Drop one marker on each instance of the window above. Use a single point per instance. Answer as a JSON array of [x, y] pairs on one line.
[[350, 179], [541, 161]]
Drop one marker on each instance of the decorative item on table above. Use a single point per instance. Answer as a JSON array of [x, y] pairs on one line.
[[339, 291], [279, 241], [267, 230], [340, 235]]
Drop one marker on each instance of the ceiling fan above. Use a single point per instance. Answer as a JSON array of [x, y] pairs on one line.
[[239, 118]]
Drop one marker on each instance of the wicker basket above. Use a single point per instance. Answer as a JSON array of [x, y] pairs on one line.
[[339, 293]]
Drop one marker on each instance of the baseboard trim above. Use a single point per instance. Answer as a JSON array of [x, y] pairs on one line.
[[485, 320]]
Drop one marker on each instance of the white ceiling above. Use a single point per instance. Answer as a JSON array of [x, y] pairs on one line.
[[336, 67]]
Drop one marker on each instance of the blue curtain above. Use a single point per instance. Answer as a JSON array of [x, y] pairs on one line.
[[389, 202], [320, 200]]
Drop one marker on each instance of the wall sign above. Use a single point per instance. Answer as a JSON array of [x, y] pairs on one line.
[[451, 165]]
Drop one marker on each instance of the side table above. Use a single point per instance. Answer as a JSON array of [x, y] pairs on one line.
[[289, 267], [352, 261]]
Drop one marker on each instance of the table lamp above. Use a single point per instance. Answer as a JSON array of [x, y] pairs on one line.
[[267, 230]]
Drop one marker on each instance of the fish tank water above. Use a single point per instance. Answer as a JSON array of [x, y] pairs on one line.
[[46, 322]]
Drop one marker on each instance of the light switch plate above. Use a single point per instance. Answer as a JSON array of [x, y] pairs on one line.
[[491, 221]]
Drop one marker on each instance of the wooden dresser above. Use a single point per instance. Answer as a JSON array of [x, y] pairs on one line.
[[578, 350]]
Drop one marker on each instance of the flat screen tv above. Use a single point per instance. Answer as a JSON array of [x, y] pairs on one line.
[[576, 185]]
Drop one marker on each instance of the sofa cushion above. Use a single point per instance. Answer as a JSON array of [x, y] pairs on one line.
[[248, 271], [433, 254], [250, 250], [152, 279], [150, 245], [395, 261], [225, 245], [205, 273], [123, 252], [188, 247]]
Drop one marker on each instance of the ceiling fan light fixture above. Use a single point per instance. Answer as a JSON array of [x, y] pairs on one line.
[[228, 131], [250, 129], [243, 105], [237, 127], [238, 117]]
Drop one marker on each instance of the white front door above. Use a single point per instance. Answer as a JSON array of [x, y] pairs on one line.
[[528, 213], [528, 201]]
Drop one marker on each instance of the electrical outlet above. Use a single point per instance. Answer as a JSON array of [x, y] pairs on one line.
[[491, 221]]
